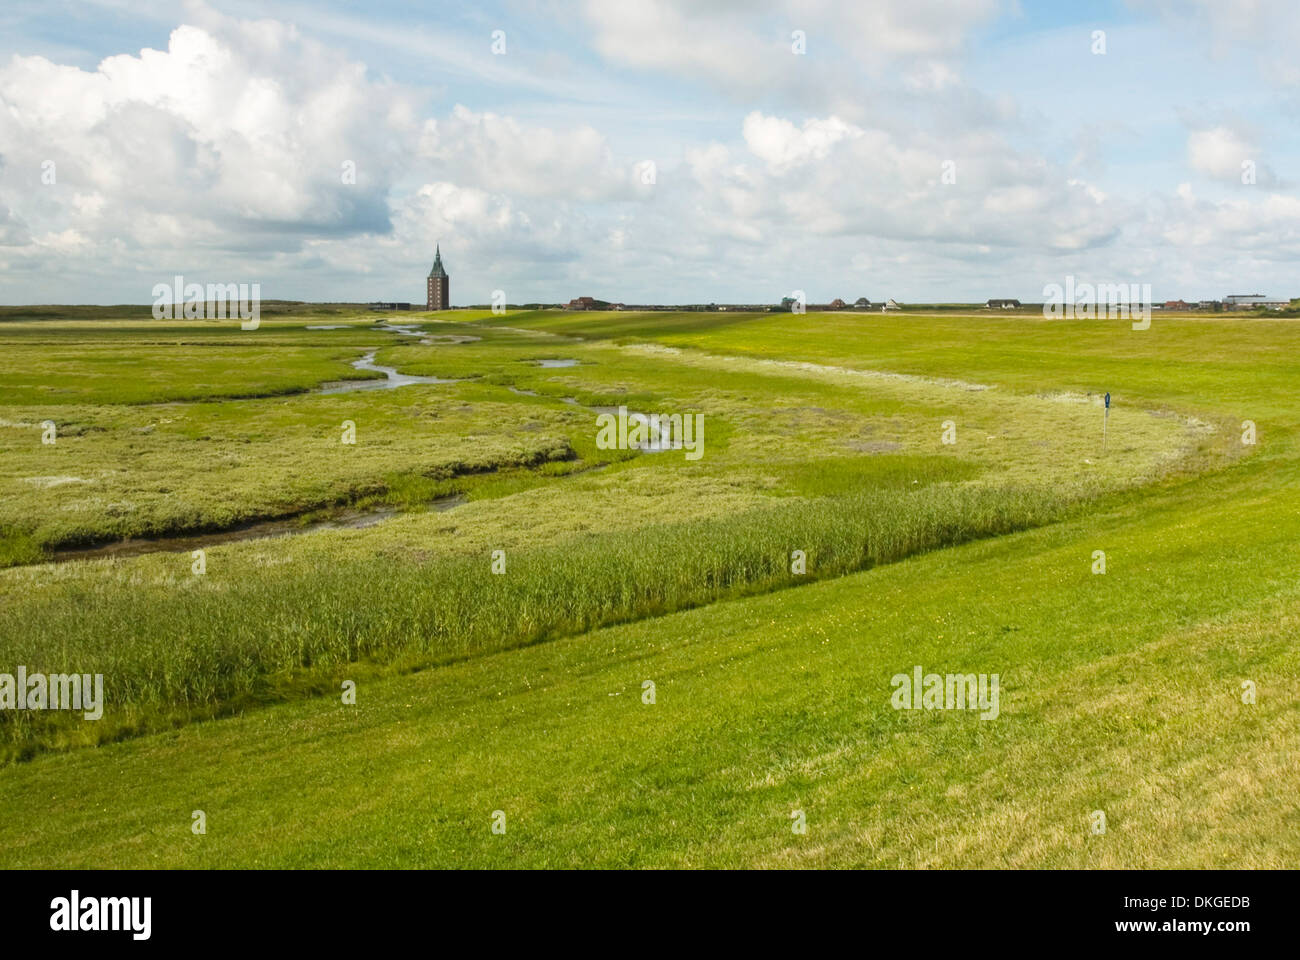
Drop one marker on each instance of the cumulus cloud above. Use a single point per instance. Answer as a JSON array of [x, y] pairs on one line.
[[924, 27], [1223, 154], [236, 130], [697, 39], [830, 177], [1219, 152], [246, 145], [782, 145], [1266, 226], [747, 48], [227, 149], [498, 153]]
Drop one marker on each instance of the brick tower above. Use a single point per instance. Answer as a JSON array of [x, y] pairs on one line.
[[439, 289]]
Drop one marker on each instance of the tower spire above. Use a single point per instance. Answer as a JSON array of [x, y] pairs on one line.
[[438, 269]]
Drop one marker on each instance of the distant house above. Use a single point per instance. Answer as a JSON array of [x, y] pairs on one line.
[[836, 304], [388, 305], [890, 304], [1177, 305], [862, 303], [1003, 304], [581, 303]]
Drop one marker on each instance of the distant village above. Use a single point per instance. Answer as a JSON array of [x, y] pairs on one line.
[[1231, 302], [438, 297], [787, 305], [1234, 301]]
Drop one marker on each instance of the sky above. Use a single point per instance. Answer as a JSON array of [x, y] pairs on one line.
[[649, 151]]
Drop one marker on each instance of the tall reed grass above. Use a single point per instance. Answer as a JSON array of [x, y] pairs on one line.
[[169, 655]]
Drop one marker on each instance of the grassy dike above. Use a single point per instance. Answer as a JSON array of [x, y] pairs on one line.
[[1120, 694]]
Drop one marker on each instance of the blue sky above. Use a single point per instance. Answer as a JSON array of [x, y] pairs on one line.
[[916, 149]]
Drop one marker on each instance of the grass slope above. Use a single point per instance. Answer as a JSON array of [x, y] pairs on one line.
[[1120, 693]]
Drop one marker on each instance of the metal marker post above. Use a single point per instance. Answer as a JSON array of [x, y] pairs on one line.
[[1105, 418]]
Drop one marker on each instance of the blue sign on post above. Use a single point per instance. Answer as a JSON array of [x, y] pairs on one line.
[[1105, 418]]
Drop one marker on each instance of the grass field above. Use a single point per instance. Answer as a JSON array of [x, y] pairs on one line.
[[522, 692]]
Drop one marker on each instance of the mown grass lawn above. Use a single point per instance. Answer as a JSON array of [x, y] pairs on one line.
[[1120, 692]]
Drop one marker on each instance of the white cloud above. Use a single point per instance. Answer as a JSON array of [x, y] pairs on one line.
[[223, 152], [1263, 225], [1219, 152], [746, 48], [498, 153], [782, 145], [237, 130], [921, 27], [691, 38], [827, 177]]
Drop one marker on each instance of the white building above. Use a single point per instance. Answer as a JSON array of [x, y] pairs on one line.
[[1249, 301]]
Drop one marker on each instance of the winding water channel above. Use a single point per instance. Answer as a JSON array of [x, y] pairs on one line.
[[351, 519]]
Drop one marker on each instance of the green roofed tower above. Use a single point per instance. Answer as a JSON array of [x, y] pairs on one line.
[[439, 289]]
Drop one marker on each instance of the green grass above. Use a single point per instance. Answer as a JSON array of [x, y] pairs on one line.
[[219, 643], [1116, 696], [850, 469], [522, 692]]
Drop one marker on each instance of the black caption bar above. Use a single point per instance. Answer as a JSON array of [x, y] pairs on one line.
[[335, 909]]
